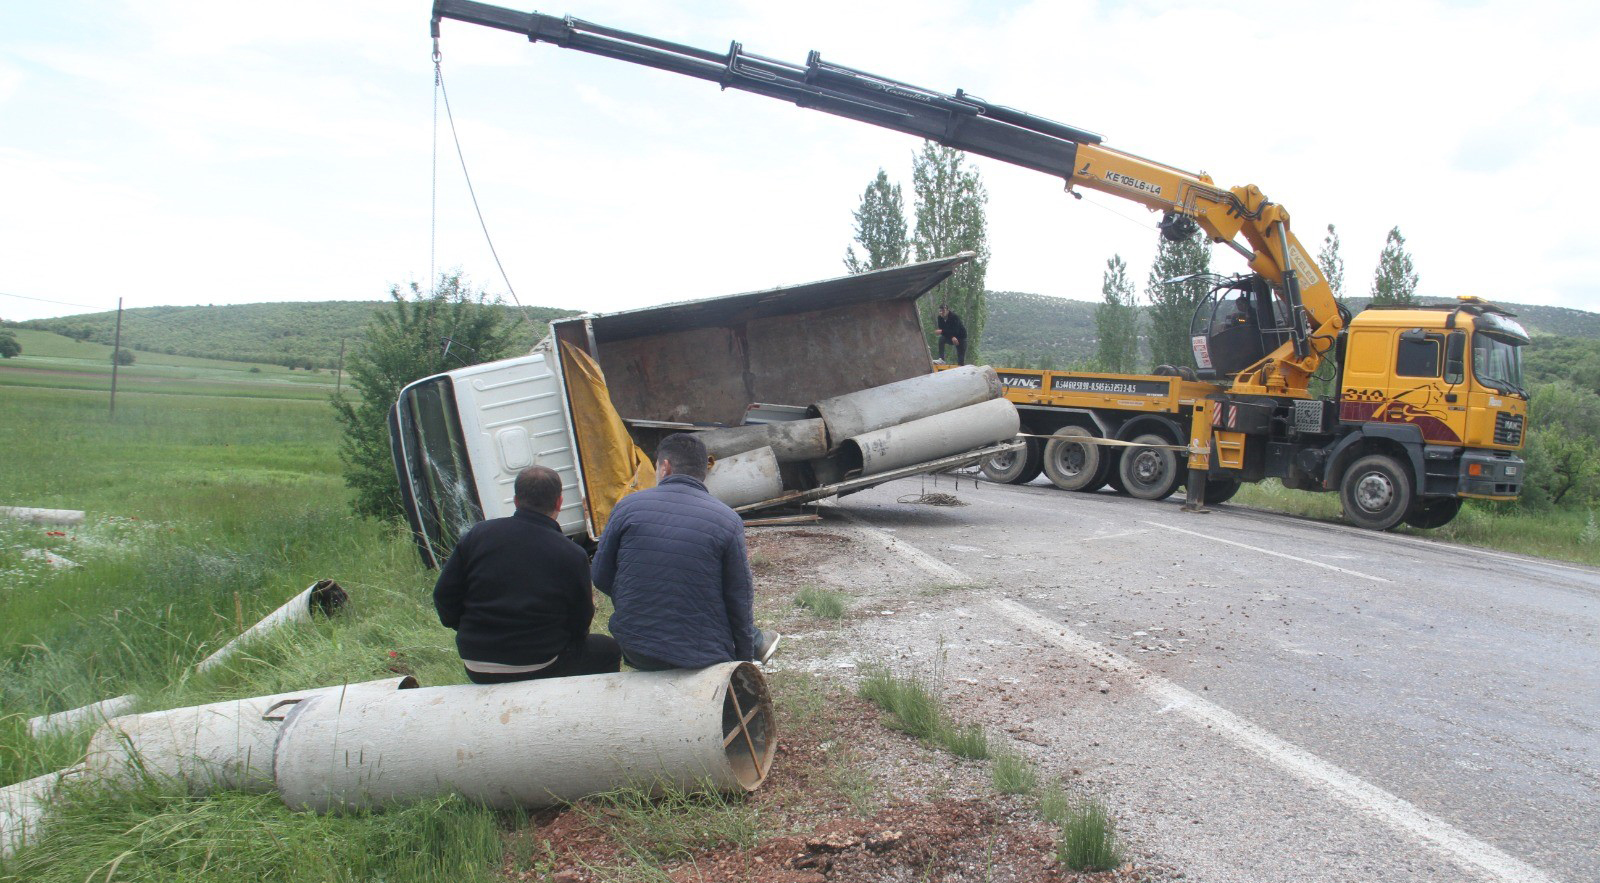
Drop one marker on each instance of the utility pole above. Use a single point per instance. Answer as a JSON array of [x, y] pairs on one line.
[[338, 374], [116, 350]]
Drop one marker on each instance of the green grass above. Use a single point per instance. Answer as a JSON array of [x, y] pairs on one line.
[[1012, 773], [1556, 533], [912, 704], [673, 824], [823, 603], [159, 834], [1088, 838]]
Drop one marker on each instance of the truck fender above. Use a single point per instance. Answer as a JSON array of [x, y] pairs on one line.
[[1153, 423], [1406, 435]]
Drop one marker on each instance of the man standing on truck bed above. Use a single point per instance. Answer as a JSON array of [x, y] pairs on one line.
[[952, 330], [517, 593], [673, 560]]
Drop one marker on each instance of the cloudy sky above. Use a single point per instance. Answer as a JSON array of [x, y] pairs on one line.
[[194, 152]]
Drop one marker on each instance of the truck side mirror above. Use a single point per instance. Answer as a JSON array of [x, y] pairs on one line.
[[1455, 369]]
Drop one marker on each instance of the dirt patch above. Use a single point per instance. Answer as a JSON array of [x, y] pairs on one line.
[[848, 800]]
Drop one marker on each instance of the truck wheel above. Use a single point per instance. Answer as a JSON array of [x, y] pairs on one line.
[[1150, 473], [1429, 514], [1376, 492], [1221, 490], [1113, 458], [1073, 465], [1015, 467]]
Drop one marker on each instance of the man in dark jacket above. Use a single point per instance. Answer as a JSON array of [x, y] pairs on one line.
[[952, 330], [517, 593], [673, 560]]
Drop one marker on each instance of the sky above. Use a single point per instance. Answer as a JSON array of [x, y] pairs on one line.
[[180, 152]]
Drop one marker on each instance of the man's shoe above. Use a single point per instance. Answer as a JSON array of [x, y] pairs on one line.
[[769, 646]]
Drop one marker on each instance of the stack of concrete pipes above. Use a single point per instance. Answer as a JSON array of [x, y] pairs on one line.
[[861, 434], [358, 746]]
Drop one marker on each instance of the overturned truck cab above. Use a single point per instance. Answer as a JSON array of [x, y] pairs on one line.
[[765, 375]]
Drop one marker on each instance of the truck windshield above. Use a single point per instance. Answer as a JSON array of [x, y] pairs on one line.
[[441, 498], [1497, 363]]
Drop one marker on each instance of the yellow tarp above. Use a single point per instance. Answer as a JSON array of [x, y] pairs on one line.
[[613, 466]]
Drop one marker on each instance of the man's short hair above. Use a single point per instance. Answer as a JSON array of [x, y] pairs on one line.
[[686, 453], [537, 488]]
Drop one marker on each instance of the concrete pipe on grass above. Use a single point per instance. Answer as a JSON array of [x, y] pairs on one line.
[[532, 743], [24, 806], [222, 745], [868, 410], [324, 597], [929, 438]]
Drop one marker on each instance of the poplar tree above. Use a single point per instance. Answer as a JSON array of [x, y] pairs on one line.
[[1172, 305], [1396, 279], [1116, 320], [880, 228], [950, 203], [1332, 263]]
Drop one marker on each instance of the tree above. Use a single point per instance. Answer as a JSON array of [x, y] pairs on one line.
[[1563, 450], [950, 219], [1116, 320], [422, 333], [1332, 263], [1172, 305], [123, 356], [880, 228], [1396, 279], [9, 347]]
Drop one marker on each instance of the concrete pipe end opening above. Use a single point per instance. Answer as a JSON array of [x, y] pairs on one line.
[[749, 739], [327, 598]]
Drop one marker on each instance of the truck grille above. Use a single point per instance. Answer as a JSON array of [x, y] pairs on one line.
[[1507, 429]]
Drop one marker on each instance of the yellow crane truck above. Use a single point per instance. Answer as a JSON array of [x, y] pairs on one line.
[[1429, 409]]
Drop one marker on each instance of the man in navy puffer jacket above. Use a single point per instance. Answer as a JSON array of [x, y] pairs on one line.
[[673, 560]]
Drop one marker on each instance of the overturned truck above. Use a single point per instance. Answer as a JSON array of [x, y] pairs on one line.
[[802, 393]]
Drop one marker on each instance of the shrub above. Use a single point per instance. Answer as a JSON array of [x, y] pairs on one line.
[[9, 347], [123, 356]]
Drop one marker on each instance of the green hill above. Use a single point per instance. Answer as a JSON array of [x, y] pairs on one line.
[[299, 335]]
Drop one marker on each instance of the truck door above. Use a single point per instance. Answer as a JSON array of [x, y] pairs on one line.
[[1403, 378]]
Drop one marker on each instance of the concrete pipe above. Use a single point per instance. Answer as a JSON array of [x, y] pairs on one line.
[[533, 743], [96, 713], [42, 516], [24, 805], [223, 745], [744, 478], [791, 441], [323, 596], [929, 438], [868, 410]]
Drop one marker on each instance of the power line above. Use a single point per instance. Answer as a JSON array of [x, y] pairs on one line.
[[64, 303]]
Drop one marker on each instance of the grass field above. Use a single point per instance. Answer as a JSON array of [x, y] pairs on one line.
[[57, 362], [204, 513]]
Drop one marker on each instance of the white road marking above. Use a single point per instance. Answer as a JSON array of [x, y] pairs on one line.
[[1345, 786], [1209, 538]]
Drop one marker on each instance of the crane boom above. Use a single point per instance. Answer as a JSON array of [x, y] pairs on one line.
[[965, 122]]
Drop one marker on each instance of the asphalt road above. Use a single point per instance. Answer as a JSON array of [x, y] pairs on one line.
[[1267, 698]]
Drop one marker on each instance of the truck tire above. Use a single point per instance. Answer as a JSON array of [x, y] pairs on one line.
[[1150, 473], [1429, 514], [1015, 467], [1376, 492], [1073, 465], [1221, 490]]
